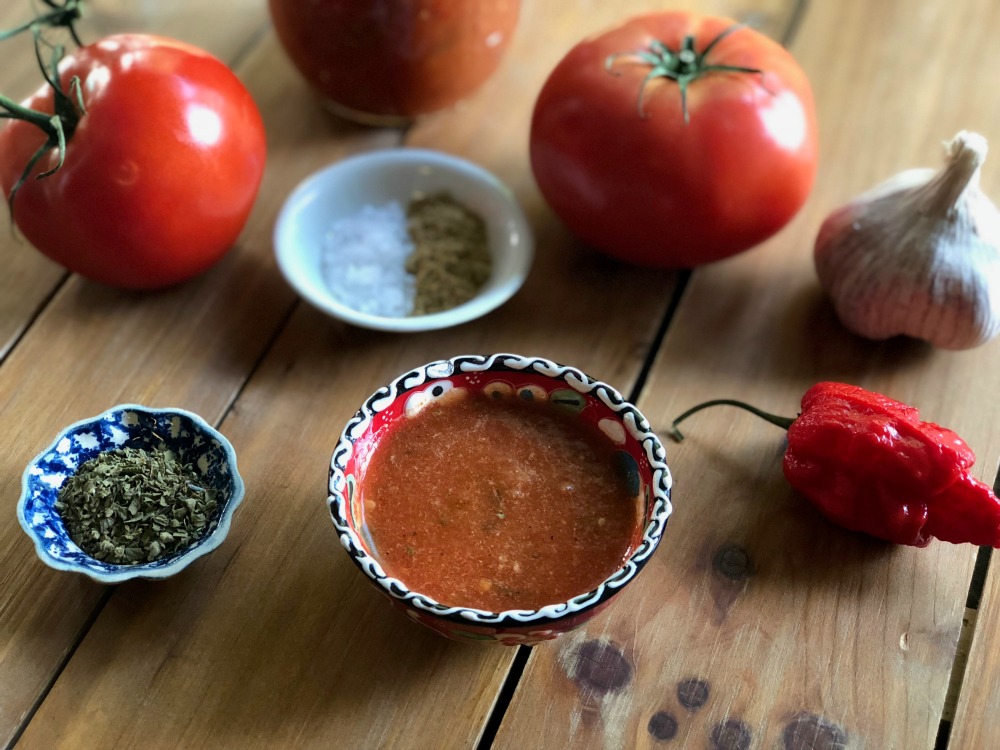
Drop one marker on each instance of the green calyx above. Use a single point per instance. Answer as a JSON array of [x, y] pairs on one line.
[[684, 66]]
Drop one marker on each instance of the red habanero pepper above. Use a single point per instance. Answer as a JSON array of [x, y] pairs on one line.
[[868, 463]]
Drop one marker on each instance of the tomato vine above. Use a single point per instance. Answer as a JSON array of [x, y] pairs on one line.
[[64, 15], [68, 106], [58, 127]]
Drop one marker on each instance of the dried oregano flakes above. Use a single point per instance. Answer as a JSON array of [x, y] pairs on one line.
[[136, 505], [190, 439]]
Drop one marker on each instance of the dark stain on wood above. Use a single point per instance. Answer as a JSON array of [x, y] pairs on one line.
[[732, 569], [731, 734], [662, 726], [602, 667], [692, 693], [733, 563], [811, 732]]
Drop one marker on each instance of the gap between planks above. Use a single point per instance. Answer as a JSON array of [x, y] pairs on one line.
[[110, 590], [242, 54], [969, 621], [520, 663]]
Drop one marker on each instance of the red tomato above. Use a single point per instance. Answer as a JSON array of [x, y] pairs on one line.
[[619, 165], [160, 173]]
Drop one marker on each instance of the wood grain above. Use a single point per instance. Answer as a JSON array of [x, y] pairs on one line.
[[792, 632], [192, 346], [741, 626], [977, 717], [223, 27], [275, 639]]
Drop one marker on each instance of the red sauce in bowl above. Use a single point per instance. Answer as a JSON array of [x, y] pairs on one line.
[[394, 58], [498, 504]]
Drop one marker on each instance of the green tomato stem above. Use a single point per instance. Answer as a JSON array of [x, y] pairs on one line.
[[684, 65], [58, 126], [65, 15]]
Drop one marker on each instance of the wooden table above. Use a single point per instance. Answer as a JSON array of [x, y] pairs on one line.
[[819, 638]]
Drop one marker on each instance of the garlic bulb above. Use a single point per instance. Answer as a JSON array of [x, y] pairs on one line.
[[919, 255]]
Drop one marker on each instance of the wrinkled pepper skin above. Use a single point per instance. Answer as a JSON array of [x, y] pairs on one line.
[[868, 463]]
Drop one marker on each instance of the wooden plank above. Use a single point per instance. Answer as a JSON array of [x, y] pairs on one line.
[[191, 346], [223, 28], [276, 639], [976, 722], [759, 624]]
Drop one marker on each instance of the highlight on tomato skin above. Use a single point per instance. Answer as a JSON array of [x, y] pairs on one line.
[[674, 140], [160, 172]]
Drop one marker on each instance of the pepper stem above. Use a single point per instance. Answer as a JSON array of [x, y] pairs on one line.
[[774, 419]]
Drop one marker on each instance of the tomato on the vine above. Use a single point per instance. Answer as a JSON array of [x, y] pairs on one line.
[[675, 140], [160, 168]]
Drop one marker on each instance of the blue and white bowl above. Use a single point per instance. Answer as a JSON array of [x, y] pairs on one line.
[[126, 426]]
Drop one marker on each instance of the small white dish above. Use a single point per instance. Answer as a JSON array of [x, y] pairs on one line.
[[401, 174]]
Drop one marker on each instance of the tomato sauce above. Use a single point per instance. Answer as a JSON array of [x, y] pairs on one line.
[[394, 58], [498, 504]]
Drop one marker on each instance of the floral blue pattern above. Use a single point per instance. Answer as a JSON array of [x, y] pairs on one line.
[[133, 426]]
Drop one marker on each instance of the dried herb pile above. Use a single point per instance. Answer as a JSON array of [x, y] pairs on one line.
[[451, 258], [131, 506]]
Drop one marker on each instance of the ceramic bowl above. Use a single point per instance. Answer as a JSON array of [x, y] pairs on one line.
[[126, 426], [403, 174], [510, 376]]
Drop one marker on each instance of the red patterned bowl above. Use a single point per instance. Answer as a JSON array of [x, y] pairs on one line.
[[514, 376]]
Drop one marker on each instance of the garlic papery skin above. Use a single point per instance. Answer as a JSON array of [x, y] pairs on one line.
[[919, 255]]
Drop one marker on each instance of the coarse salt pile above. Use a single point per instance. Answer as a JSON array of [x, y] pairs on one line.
[[363, 261]]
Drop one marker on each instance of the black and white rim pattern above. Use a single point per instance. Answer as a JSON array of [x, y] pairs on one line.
[[635, 423]]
